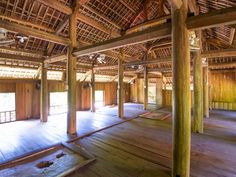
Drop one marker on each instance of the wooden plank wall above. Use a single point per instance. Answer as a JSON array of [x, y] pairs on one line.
[[223, 90], [28, 96], [136, 91]]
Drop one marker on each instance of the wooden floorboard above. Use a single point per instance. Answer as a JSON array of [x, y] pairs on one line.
[[142, 147], [138, 148], [20, 137]]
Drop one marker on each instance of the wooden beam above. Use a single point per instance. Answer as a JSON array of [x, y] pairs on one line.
[[56, 58], [225, 16], [132, 79], [147, 24], [148, 62], [92, 92], [166, 10], [232, 36], [19, 57], [181, 93], [121, 85], [57, 6], [71, 73], [222, 65], [219, 53], [149, 34], [83, 78], [198, 93], [159, 44], [114, 78], [22, 52], [50, 48], [193, 7], [44, 95], [39, 70], [62, 25], [33, 32], [112, 53], [207, 20], [136, 63], [26, 23]]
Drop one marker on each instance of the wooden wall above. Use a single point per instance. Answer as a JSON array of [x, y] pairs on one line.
[[28, 96], [136, 91], [223, 90]]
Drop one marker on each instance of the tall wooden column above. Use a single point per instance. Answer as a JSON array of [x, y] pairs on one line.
[[121, 85], [198, 93], [92, 92], [71, 74], [159, 85], [181, 92], [145, 88], [205, 92], [44, 95]]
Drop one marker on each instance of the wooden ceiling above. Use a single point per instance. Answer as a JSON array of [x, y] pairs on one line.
[[98, 21]]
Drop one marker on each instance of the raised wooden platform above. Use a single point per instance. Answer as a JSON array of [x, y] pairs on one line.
[[18, 138], [142, 148], [137, 148]]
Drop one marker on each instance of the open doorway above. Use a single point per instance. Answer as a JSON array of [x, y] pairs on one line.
[[99, 99], [7, 107], [152, 93], [58, 103]]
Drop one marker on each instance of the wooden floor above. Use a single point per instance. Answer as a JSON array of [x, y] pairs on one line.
[[18, 138], [140, 147]]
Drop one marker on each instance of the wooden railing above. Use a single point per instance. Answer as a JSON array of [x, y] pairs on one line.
[[7, 116]]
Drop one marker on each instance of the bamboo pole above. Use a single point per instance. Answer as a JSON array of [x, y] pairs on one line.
[[121, 85], [181, 93], [44, 95], [198, 93], [71, 73]]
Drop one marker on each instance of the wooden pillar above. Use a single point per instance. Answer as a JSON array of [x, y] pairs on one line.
[[205, 92], [181, 92], [121, 85], [137, 88], [44, 95], [198, 93], [210, 89], [145, 88], [92, 92], [159, 85], [71, 74]]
